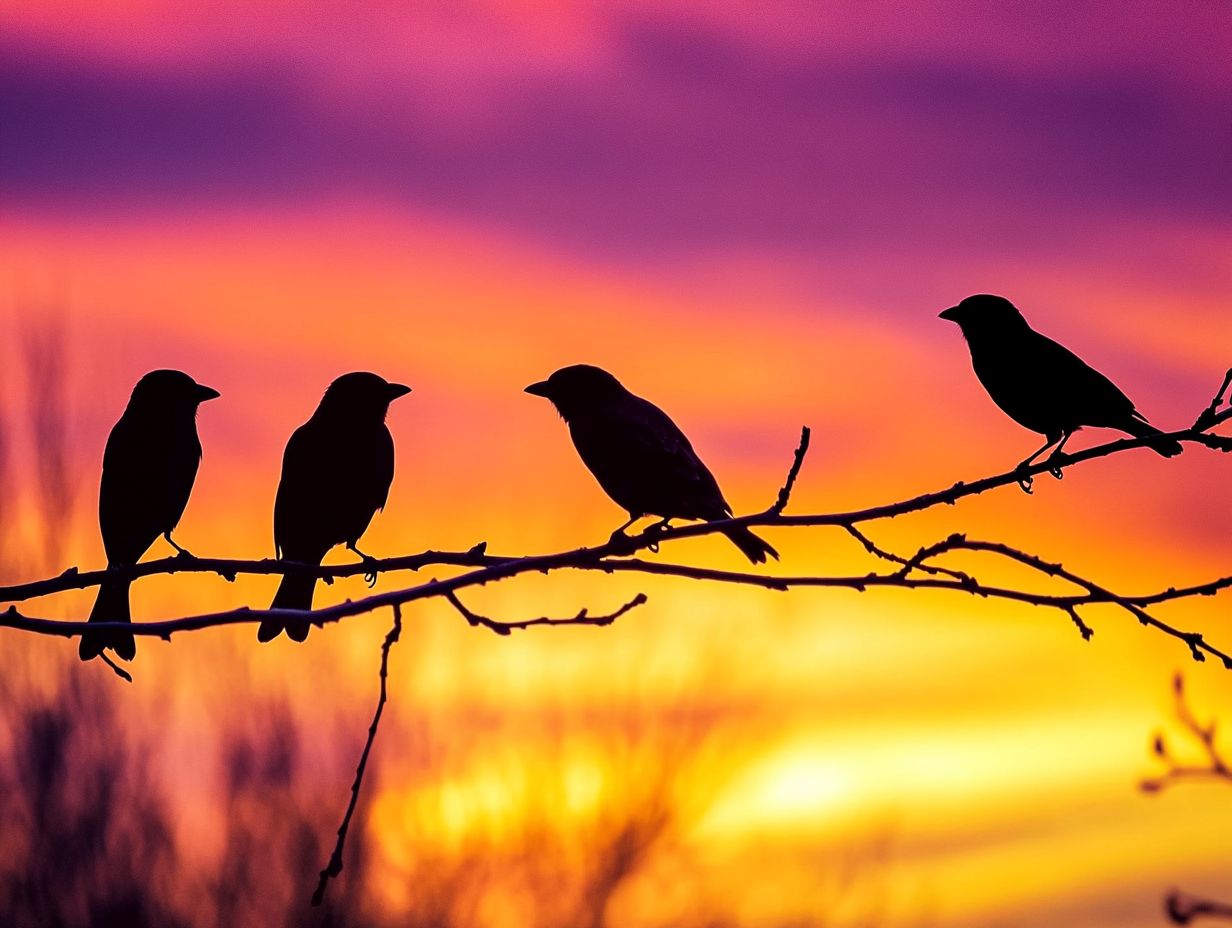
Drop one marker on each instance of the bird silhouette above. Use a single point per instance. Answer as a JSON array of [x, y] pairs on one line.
[[639, 456], [149, 466], [1041, 385], [336, 473]]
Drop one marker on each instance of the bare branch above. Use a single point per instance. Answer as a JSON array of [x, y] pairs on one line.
[[1210, 416], [593, 559], [914, 563], [1084, 629], [504, 628], [334, 867], [1198, 646], [797, 462], [230, 568]]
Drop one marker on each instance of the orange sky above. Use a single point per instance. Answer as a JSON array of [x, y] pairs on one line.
[[991, 749]]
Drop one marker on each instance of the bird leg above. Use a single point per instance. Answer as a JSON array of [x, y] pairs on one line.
[[368, 561], [179, 551], [1057, 457], [660, 526], [619, 534], [1026, 480]]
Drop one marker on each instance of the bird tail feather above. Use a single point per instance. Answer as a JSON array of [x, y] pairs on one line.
[[754, 548], [110, 606], [1140, 428], [294, 592]]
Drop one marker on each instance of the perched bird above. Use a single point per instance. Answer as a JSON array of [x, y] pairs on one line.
[[639, 456], [1040, 384], [336, 473], [149, 466]]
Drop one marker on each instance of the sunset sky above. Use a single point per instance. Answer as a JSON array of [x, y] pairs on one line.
[[752, 218]]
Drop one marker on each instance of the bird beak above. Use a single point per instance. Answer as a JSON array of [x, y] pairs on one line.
[[398, 389], [951, 314], [205, 393], [538, 389]]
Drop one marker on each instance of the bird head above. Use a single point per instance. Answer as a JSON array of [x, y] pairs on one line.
[[984, 313], [577, 388], [169, 392], [361, 395]]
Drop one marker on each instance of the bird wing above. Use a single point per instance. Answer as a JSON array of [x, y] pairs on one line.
[[378, 471], [669, 472], [148, 475], [297, 492], [332, 484], [1089, 396]]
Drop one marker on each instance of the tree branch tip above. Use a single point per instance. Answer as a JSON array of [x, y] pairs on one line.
[[1083, 629], [784, 494]]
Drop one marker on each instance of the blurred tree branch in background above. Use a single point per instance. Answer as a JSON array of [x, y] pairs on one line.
[[40, 354], [1183, 908], [44, 351], [1213, 765]]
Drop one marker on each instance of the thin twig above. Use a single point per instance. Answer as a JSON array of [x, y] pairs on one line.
[[504, 628], [908, 564], [784, 497], [1084, 629], [1198, 646], [334, 867], [1210, 416]]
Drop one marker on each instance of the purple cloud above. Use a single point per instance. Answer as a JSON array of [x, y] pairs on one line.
[[693, 140]]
